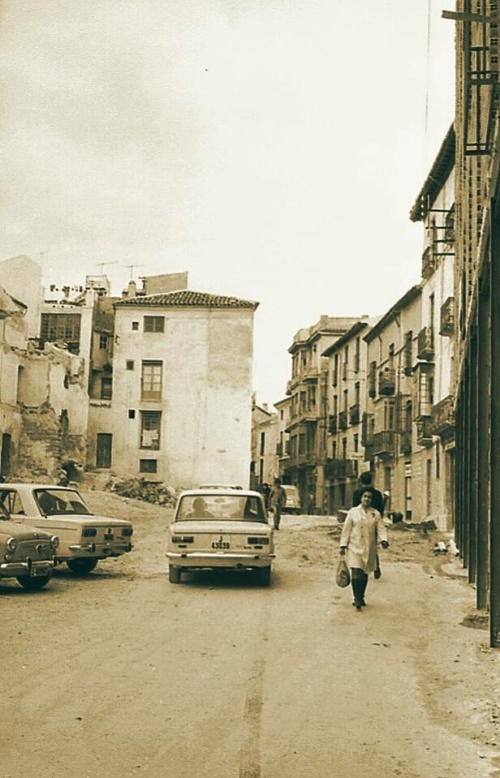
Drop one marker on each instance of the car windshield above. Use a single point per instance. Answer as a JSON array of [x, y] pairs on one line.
[[220, 507], [53, 501]]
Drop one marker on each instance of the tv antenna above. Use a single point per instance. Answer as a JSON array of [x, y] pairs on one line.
[[101, 264], [131, 268]]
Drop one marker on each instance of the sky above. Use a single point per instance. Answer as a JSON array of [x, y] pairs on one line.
[[271, 148]]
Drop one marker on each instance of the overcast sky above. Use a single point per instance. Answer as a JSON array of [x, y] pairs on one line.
[[271, 148]]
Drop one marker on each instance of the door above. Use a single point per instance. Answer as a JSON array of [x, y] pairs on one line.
[[103, 449], [5, 454]]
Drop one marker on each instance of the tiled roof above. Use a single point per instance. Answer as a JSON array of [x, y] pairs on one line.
[[187, 298]]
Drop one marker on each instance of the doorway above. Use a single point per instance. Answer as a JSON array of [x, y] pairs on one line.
[[103, 449]]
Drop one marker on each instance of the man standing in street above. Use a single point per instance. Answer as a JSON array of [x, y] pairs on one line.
[[277, 500]]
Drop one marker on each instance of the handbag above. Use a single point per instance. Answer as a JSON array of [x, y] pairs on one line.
[[343, 576]]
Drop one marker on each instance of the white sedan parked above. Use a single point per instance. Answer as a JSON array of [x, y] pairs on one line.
[[220, 528], [84, 538]]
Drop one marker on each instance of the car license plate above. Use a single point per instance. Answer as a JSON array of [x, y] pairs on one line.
[[37, 571], [221, 545]]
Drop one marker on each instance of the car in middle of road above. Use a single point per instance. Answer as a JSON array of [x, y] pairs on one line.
[[220, 528], [84, 538]]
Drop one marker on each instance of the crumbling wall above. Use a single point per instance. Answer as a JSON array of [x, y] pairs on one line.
[[39, 448]]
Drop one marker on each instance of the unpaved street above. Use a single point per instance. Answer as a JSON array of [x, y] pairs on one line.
[[123, 674]]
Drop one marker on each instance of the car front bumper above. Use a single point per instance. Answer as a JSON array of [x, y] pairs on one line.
[[27, 567], [234, 561]]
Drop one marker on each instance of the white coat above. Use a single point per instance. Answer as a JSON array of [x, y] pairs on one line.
[[361, 532]]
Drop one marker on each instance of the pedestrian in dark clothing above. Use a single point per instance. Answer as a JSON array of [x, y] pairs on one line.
[[366, 484], [265, 492], [277, 499]]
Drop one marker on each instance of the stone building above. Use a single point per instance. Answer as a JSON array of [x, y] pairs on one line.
[[435, 209], [180, 410], [308, 421], [346, 391]]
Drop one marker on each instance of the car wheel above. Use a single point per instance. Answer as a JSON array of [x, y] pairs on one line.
[[174, 574], [264, 575], [81, 566], [34, 582]]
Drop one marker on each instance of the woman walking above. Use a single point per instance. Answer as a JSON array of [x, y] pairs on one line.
[[362, 530]]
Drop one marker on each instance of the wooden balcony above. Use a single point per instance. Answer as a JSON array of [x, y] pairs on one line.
[[354, 415], [447, 319], [341, 468], [429, 262], [366, 429], [383, 444], [443, 418], [424, 433], [405, 442], [425, 344], [387, 381]]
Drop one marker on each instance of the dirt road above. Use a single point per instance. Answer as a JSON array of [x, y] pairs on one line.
[[123, 674]]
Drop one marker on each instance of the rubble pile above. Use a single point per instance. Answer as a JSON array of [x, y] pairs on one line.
[[142, 489]]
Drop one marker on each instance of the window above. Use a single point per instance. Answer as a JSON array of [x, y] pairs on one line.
[[357, 355], [106, 388], [135, 325], [344, 448], [63, 327], [148, 465], [356, 443], [103, 341], [129, 364], [150, 429], [262, 443], [154, 324], [151, 380], [131, 414]]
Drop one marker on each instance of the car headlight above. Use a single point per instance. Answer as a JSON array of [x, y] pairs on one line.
[[54, 541], [127, 532], [11, 544]]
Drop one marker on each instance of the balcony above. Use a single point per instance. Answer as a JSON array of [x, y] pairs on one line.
[[341, 468], [383, 444], [354, 415], [372, 380], [310, 374], [424, 433], [425, 344], [304, 459], [442, 421], [405, 442], [343, 420], [387, 381], [447, 321], [366, 429], [283, 451], [429, 262], [449, 226]]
